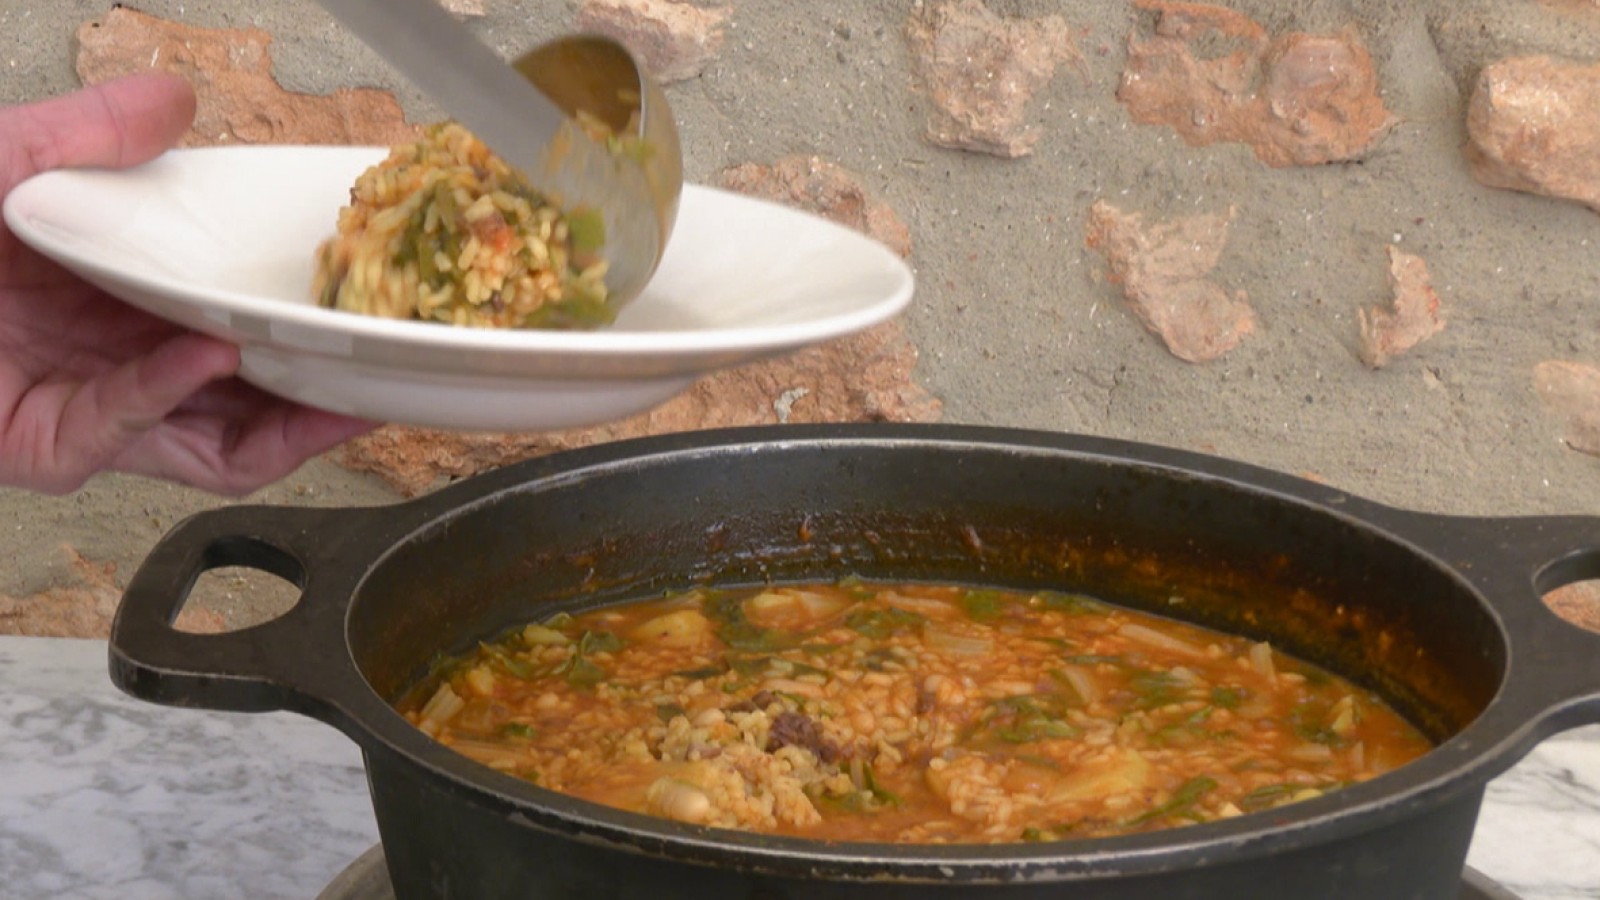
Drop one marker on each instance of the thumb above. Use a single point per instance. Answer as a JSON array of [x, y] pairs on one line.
[[117, 124]]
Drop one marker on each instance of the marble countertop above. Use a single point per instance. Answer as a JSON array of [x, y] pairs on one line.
[[107, 798]]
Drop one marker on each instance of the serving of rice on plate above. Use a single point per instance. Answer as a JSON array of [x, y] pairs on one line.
[[445, 231]]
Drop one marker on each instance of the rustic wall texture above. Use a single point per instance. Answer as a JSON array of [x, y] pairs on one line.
[[1357, 240]]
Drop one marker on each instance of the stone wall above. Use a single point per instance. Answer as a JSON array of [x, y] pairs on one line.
[[1348, 239]]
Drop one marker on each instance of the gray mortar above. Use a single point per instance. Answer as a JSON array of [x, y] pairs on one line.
[[1014, 319]]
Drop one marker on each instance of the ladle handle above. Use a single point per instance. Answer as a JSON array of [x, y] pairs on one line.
[[467, 79], [297, 661]]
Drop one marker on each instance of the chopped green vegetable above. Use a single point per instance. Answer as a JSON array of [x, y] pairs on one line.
[[1047, 833], [856, 588], [878, 658], [869, 782], [666, 712], [798, 669], [818, 649], [1265, 796], [501, 659], [1190, 730], [749, 665], [1091, 659], [1228, 697], [773, 665], [580, 672], [1309, 721], [587, 230], [726, 611], [983, 605], [797, 701], [1037, 729], [518, 730], [1154, 689], [1025, 719], [1072, 604], [1182, 802], [582, 305], [1043, 762], [599, 642], [881, 623]]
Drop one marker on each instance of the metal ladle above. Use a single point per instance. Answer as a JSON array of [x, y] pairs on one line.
[[525, 111]]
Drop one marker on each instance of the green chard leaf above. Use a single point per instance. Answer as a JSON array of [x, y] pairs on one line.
[[1183, 800], [983, 605], [599, 642], [587, 230], [726, 612], [881, 623], [1072, 604]]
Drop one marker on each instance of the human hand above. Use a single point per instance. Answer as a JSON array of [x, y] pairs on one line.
[[88, 383]]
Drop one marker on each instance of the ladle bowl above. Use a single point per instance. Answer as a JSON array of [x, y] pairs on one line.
[[587, 73], [529, 113]]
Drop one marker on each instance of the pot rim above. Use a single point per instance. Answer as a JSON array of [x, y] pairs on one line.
[[1518, 715]]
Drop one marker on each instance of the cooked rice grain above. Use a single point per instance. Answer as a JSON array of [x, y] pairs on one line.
[[444, 231]]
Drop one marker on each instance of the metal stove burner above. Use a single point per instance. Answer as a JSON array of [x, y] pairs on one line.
[[367, 879]]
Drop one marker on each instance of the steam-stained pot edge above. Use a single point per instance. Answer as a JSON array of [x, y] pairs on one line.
[[367, 878], [926, 502]]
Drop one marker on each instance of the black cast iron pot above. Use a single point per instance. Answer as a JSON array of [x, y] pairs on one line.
[[1440, 615]]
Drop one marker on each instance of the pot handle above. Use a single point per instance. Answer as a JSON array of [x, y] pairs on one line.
[[297, 661], [1518, 561]]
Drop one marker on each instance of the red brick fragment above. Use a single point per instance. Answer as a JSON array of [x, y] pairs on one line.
[[465, 8], [1578, 603], [1416, 314], [1533, 124], [979, 71], [861, 378], [231, 71], [1571, 392], [1163, 269], [824, 188], [1583, 10], [84, 605], [1302, 99], [673, 40]]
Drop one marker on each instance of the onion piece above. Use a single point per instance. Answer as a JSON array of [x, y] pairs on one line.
[[792, 608], [1313, 753], [442, 705], [963, 645], [1082, 683], [497, 756], [1153, 638], [927, 606], [1261, 660]]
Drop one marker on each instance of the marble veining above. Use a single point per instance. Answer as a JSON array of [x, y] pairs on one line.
[[104, 797], [1539, 833], [107, 797]]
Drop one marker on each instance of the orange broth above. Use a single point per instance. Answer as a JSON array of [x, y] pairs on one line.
[[908, 713]]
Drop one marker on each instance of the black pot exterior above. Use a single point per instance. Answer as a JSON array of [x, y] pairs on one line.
[[438, 844], [1440, 615]]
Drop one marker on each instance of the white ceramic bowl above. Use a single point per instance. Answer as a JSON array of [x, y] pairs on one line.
[[221, 240]]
